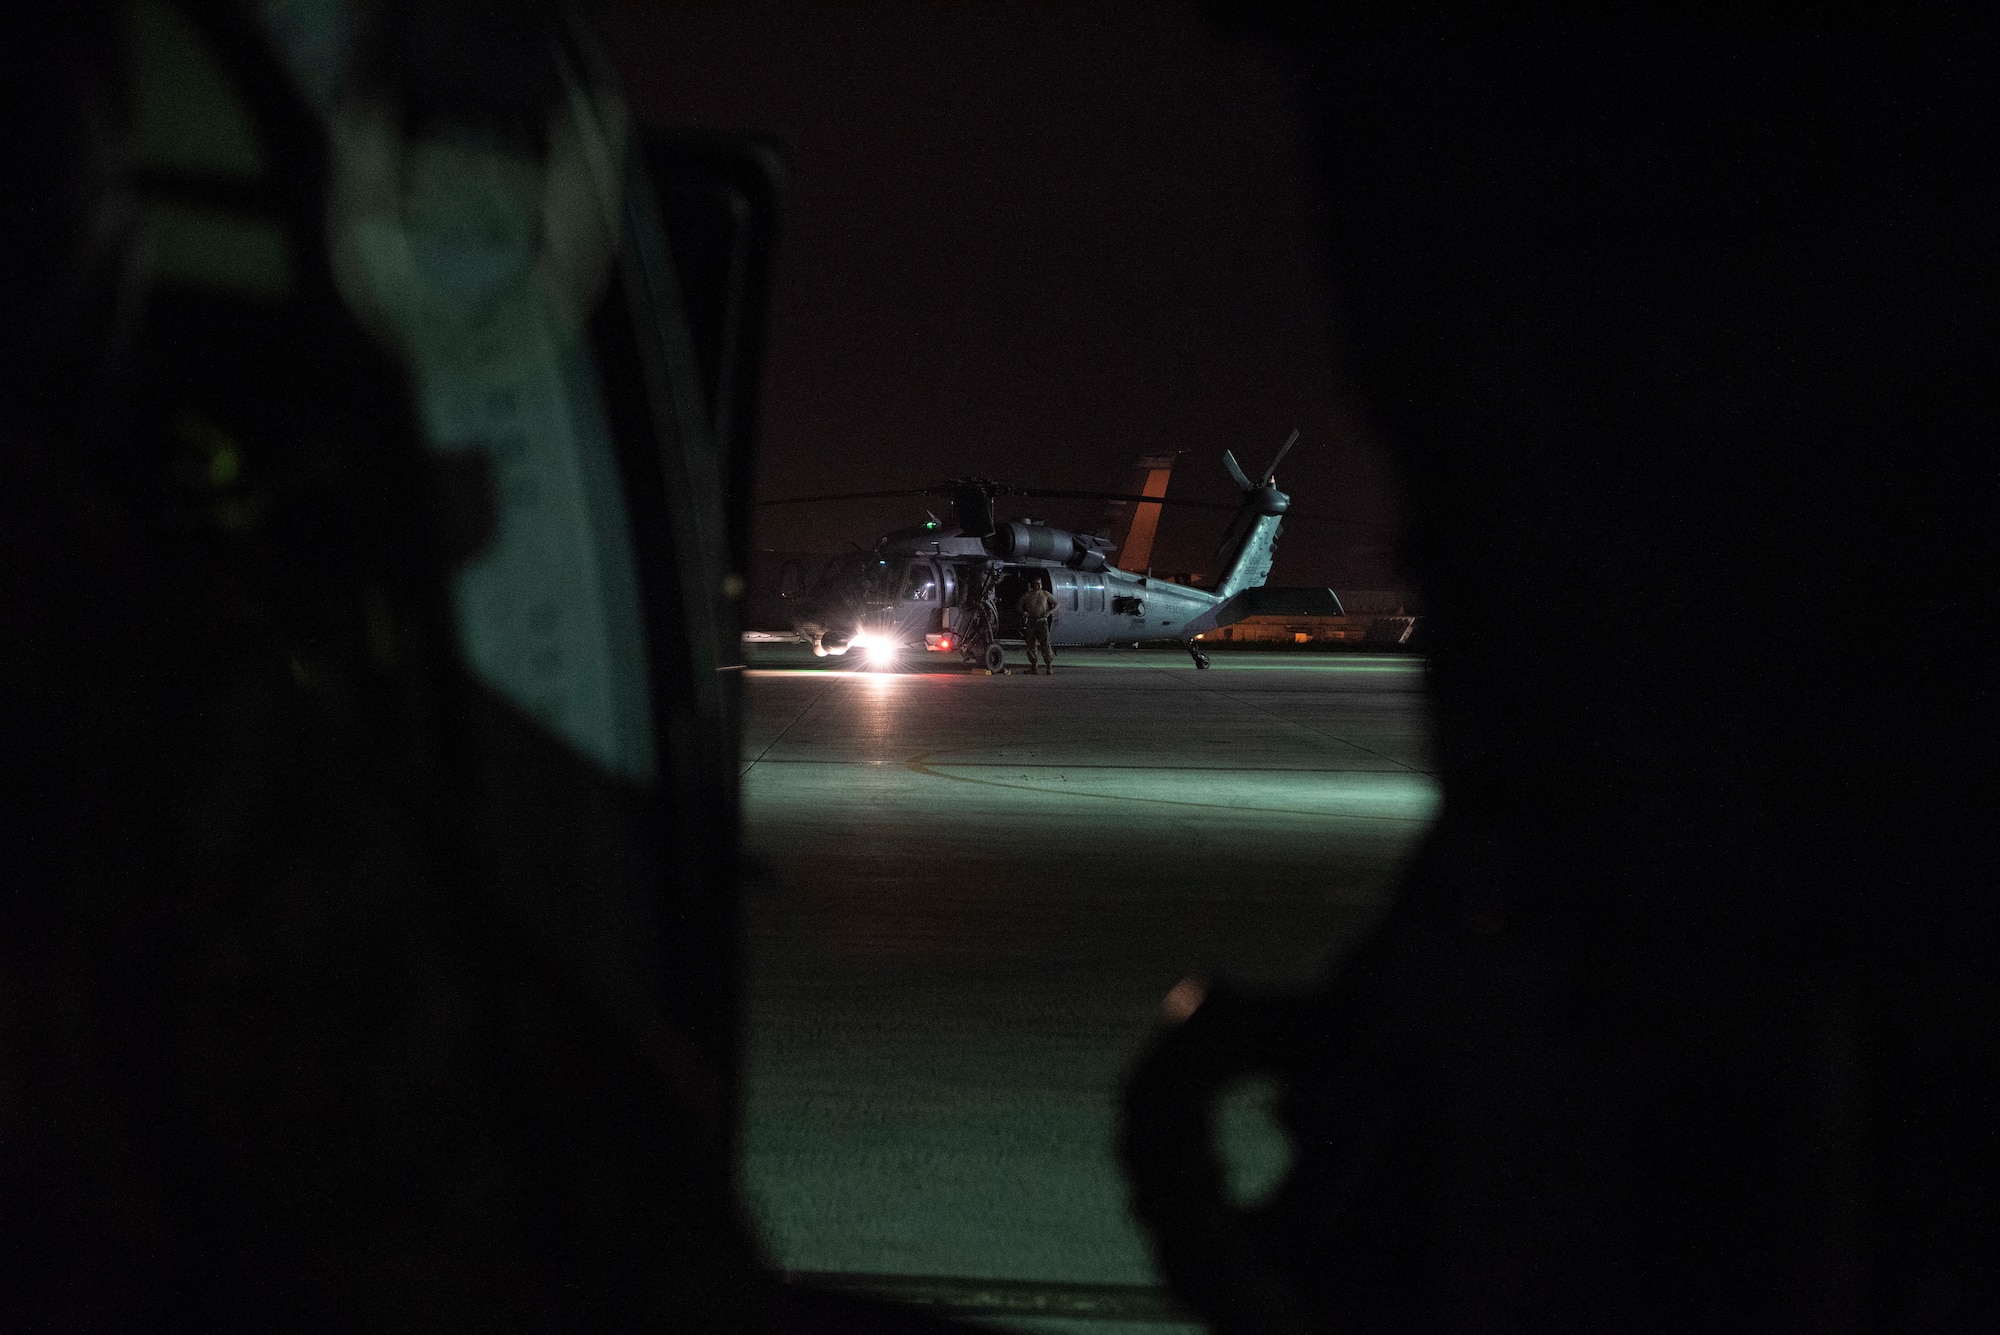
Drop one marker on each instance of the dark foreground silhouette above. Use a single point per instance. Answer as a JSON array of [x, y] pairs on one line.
[[1683, 1019]]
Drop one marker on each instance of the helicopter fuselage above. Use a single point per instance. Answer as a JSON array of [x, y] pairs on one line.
[[922, 589], [958, 589]]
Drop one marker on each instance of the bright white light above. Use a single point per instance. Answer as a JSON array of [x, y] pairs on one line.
[[875, 648]]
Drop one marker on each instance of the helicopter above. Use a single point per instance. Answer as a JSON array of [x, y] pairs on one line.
[[935, 588]]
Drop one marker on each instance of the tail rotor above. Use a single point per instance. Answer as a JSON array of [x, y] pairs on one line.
[[1245, 552]]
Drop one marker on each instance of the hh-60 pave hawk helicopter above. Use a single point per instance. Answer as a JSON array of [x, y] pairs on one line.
[[947, 589]]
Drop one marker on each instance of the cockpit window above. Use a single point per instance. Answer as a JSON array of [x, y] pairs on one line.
[[920, 584], [881, 581]]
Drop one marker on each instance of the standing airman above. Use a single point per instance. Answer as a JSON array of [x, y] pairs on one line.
[[1038, 610]]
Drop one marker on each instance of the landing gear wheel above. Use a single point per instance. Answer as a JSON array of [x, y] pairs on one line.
[[994, 659], [1200, 658]]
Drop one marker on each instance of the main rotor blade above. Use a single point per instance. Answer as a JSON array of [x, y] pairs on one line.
[[1307, 516], [1053, 493], [1272, 471], [999, 490], [849, 496], [1063, 494]]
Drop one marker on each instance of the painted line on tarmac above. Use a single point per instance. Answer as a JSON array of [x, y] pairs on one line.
[[1006, 1297], [1180, 672], [1320, 732], [1220, 664], [1374, 665], [810, 705], [1400, 665], [922, 765], [1067, 765]]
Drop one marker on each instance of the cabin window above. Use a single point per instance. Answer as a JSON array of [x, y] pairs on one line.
[[920, 584], [1128, 607]]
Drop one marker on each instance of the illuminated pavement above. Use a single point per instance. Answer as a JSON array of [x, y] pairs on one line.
[[983, 888]]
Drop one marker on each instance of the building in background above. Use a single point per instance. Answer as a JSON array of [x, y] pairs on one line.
[[1375, 619]]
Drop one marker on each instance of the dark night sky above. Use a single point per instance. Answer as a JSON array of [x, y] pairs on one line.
[[1030, 242]]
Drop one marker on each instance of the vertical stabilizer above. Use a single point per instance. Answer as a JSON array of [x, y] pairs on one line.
[[1133, 525]]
